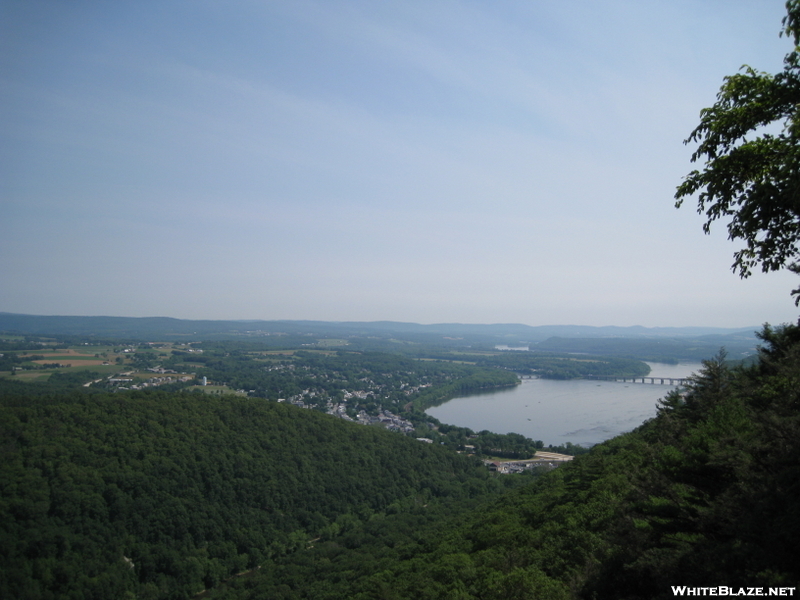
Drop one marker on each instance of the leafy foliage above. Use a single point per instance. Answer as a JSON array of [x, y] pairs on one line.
[[751, 172], [165, 494]]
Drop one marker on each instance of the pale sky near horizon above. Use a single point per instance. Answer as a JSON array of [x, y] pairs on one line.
[[424, 161]]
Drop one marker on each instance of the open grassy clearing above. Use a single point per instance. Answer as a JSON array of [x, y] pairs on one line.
[[91, 350], [272, 357], [65, 352], [70, 357], [71, 361], [330, 342], [282, 353], [60, 354], [33, 375], [42, 351], [28, 375], [448, 360]]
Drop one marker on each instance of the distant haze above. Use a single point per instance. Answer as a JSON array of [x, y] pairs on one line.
[[429, 162], [670, 343]]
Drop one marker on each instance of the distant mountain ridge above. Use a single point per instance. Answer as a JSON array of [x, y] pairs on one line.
[[153, 327]]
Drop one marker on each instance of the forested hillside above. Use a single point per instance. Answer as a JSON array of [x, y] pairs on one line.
[[160, 495], [662, 349]]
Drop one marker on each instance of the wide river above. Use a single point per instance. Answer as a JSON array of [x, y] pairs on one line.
[[580, 411]]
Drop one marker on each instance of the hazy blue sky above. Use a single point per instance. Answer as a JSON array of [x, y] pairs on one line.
[[427, 161]]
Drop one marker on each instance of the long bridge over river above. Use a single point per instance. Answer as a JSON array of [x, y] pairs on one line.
[[649, 380]]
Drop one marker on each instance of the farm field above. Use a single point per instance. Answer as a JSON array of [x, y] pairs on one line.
[[69, 357], [47, 357]]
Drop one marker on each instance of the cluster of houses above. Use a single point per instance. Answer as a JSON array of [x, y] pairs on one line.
[[384, 418], [161, 370], [152, 382]]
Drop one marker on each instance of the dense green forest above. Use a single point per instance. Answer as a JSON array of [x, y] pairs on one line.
[[161, 495], [663, 349]]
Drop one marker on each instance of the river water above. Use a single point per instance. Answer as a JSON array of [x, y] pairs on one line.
[[580, 411]]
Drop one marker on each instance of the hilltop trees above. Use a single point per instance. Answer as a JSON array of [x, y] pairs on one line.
[[749, 143], [160, 495]]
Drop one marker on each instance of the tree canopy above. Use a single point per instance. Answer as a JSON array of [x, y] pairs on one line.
[[749, 144]]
